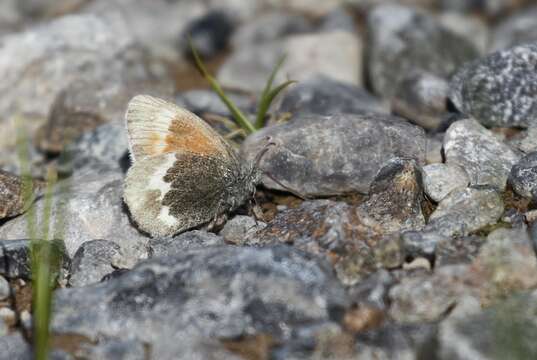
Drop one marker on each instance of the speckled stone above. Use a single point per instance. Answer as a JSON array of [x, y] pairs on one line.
[[422, 98], [397, 35], [329, 155], [466, 210], [440, 179], [500, 89], [486, 159], [523, 177], [4, 289], [324, 96]]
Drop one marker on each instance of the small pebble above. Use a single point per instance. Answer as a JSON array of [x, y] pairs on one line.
[[8, 315], [4, 288], [440, 179]]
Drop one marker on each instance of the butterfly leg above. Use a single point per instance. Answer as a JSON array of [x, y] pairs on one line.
[[255, 210], [218, 220]]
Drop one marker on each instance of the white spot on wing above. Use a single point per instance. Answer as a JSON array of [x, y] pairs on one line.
[[156, 180], [165, 217]]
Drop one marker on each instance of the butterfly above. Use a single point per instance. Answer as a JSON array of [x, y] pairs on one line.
[[183, 173]]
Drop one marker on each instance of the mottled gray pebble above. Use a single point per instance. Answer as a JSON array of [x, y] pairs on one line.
[[396, 37], [440, 179], [92, 261], [324, 96], [466, 210], [175, 245], [239, 228], [4, 289], [499, 89], [523, 177], [486, 159], [422, 98], [329, 155]]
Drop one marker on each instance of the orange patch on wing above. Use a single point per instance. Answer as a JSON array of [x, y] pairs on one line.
[[185, 136]]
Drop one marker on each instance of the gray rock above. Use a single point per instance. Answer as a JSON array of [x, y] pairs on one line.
[[203, 295], [55, 55], [332, 230], [13, 200], [460, 250], [396, 341], [434, 149], [270, 26], [396, 194], [485, 158], [523, 177], [189, 240], [240, 228], [373, 290], [14, 347], [105, 148], [358, 240], [506, 264], [525, 141], [92, 261], [338, 19], [506, 330], [207, 101], [499, 90], [306, 55], [440, 179], [421, 243], [84, 105], [15, 258], [10, 17], [490, 8], [209, 34], [426, 298], [324, 96], [466, 210], [4, 289], [8, 316], [315, 226], [396, 38], [517, 29], [87, 206], [314, 8], [473, 28], [159, 32], [331, 155], [421, 98], [3, 328], [47, 9]]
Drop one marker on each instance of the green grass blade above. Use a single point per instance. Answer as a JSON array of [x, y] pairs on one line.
[[43, 275], [266, 101], [239, 117], [272, 76]]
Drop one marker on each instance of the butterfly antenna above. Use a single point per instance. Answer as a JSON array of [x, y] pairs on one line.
[[258, 158], [263, 151], [287, 188]]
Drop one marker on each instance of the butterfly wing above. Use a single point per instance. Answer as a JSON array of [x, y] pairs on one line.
[[156, 126], [172, 192]]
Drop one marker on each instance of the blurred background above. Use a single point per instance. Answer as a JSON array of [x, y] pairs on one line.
[[68, 66]]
